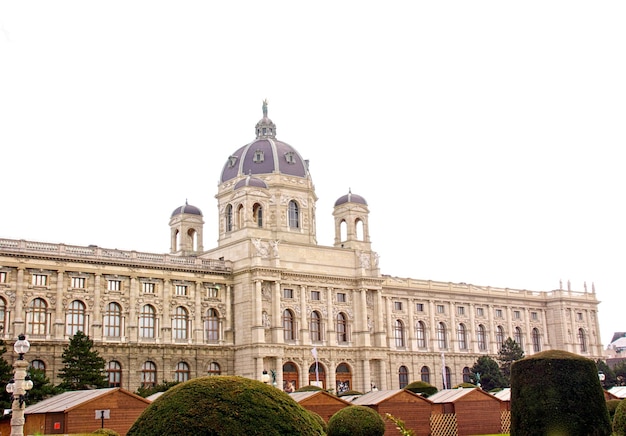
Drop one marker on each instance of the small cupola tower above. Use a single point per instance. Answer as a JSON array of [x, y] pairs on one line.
[[186, 224], [351, 222]]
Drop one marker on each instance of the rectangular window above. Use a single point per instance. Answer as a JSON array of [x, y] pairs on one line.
[[480, 311], [3, 277], [517, 314], [534, 316], [181, 290], [148, 288], [114, 285], [315, 295], [341, 297], [212, 292], [419, 307], [441, 308], [287, 293], [397, 305], [40, 280], [78, 282], [460, 310], [498, 313], [579, 315]]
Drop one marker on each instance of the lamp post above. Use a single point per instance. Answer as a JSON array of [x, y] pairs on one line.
[[265, 377], [18, 387]]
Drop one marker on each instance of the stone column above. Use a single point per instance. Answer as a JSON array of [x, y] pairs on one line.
[[379, 326], [331, 336], [96, 321], [305, 337], [59, 322], [18, 323], [197, 321], [278, 335]]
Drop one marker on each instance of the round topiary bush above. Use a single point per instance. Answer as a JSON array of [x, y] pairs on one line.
[[557, 393], [422, 388], [309, 388], [225, 406], [106, 431], [320, 420], [348, 393], [356, 421], [619, 419], [611, 406]]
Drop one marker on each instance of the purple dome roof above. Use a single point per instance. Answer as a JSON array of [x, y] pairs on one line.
[[264, 155], [250, 181], [187, 208], [350, 198]]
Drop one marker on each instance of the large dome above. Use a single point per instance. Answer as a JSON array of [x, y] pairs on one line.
[[265, 155]]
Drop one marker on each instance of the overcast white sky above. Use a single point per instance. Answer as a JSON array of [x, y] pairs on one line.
[[486, 136]]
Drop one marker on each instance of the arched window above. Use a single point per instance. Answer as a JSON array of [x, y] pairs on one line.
[[290, 377], [182, 372], [228, 218], [343, 377], [212, 325], [399, 333], [359, 229], [180, 323], [442, 337], [499, 337], [75, 318], [425, 374], [214, 369], [38, 365], [462, 337], [36, 317], [582, 340], [289, 325], [342, 328], [466, 375], [403, 376], [240, 216], [536, 340], [257, 214], [420, 332], [316, 326], [3, 313], [114, 374], [447, 384], [147, 320], [317, 375], [294, 215], [518, 337], [113, 320], [148, 374], [481, 337]]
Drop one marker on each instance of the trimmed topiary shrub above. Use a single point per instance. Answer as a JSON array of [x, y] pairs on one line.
[[320, 420], [619, 419], [106, 431], [611, 406], [356, 421], [225, 406], [346, 393], [309, 388], [422, 388], [557, 393]]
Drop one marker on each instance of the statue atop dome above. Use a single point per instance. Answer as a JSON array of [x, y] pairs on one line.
[[265, 108]]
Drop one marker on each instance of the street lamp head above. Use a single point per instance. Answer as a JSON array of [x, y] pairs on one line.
[[21, 346], [28, 383], [265, 377], [10, 386]]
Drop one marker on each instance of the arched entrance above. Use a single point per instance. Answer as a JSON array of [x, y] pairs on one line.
[[343, 377], [319, 376], [290, 377]]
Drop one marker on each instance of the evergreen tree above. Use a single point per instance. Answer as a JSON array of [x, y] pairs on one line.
[[509, 353], [83, 366], [6, 374], [487, 372], [42, 387]]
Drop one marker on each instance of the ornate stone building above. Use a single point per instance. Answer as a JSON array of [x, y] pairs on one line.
[[269, 298]]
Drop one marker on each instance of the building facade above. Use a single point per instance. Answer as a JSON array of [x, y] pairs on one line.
[[269, 298]]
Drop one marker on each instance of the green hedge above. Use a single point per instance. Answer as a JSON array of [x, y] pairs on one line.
[[422, 388], [557, 392], [619, 419], [356, 421], [225, 406]]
